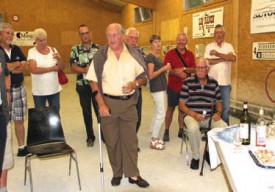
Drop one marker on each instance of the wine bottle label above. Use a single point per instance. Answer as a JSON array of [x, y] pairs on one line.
[[261, 135], [244, 130]]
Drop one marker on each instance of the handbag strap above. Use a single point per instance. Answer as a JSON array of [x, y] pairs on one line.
[[178, 53]]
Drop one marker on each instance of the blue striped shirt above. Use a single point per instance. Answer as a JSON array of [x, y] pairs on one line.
[[198, 98]]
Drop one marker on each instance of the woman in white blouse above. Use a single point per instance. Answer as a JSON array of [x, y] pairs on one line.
[[44, 62]]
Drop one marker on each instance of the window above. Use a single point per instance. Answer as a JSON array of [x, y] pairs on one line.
[[189, 4], [142, 14]]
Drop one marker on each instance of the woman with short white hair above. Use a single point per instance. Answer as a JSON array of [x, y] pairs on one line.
[[44, 62]]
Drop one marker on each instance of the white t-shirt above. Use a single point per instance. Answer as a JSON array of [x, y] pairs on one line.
[[221, 71], [46, 83]]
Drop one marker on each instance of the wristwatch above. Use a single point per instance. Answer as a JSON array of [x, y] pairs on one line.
[[184, 69]]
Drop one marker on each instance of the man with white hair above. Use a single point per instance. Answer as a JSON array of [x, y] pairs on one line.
[[131, 38], [16, 63], [198, 94], [118, 70]]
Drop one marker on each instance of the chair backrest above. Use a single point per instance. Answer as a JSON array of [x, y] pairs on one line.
[[44, 126]]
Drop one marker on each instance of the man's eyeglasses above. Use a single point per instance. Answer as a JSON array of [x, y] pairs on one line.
[[84, 33], [131, 37], [201, 68]]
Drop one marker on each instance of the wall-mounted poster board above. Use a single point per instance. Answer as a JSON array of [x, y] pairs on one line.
[[204, 22], [262, 18]]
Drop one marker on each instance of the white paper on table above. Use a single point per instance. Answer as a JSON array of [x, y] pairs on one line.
[[212, 138]]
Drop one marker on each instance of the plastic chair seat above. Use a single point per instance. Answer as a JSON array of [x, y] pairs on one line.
[[50, 149]]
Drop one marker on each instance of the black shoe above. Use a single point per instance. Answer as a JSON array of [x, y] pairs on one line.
[[140, 182], [166, 135], [207, 158], [116, 181], [180, 133], [22, 152], [90, 142], [195, 164]]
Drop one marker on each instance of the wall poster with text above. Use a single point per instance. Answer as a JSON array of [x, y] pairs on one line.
[[205, 22], [263, 51], [262, 16], [23, 38]]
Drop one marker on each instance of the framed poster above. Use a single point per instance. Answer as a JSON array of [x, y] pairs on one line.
[[262, 18], [204, 22]]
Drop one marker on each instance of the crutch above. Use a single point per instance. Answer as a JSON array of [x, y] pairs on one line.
[[100, 146], [206, 142], [100, 153]]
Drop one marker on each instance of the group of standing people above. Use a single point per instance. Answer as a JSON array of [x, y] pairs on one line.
[[196, 87], [110, 78]]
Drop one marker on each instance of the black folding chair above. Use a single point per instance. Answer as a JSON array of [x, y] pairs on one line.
[[46, 139]]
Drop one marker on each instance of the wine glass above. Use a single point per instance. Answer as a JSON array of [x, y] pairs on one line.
[[124, 85], [237, 140]]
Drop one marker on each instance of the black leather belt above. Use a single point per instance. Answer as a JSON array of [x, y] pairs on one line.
[[16, 85], [123, 97]]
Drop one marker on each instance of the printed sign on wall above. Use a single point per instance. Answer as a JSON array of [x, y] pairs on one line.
[[205, 22], [199, 50], [23, 38], [263, 51], [262, 17]]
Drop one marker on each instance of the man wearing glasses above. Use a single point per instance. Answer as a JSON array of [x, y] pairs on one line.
[[80, 59], [131, 39], [198, 94]]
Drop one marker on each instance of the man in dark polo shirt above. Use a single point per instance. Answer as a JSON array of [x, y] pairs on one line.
[[198, 94], [16, 63]]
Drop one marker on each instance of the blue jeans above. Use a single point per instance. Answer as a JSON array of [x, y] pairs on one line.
[[225, 92], [40, 101]]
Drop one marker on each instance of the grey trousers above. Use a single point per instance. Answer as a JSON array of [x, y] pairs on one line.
[[194, 134], [119, 131]]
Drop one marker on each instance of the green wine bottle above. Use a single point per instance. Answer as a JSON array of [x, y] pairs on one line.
[[245, 123]]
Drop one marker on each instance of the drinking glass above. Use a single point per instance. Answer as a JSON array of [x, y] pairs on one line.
[[237, 140], [124, 85]]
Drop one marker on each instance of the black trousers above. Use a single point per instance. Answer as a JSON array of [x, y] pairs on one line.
[[3, 136], [86, 99]]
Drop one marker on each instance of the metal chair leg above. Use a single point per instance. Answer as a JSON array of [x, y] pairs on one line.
[[25, 175], [74, 157], [28, 168], [70, 164], [182, 140], [185, 140]]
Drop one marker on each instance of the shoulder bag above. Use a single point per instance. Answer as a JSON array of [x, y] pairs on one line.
[[62, 77]]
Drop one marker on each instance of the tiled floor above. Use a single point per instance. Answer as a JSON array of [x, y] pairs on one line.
[[164, 170]]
